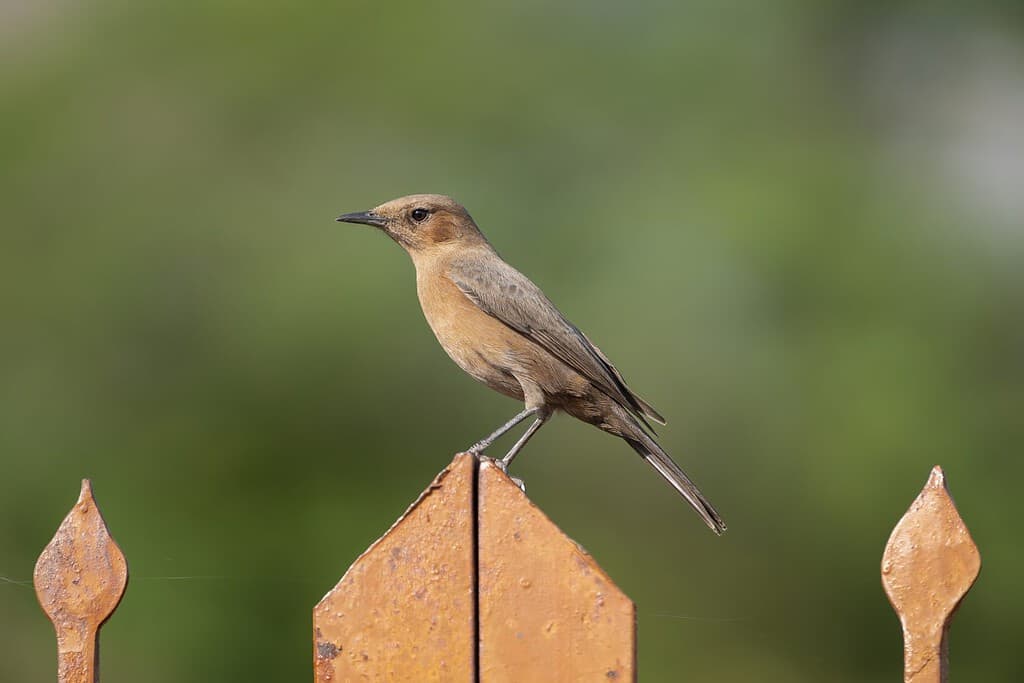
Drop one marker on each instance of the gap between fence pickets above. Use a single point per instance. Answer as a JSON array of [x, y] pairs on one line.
[[476, 567]]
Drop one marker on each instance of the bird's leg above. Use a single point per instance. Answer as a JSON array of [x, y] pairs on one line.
[[480, 446], [514, 451]]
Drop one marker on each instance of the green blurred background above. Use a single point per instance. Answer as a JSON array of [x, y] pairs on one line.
[[797, 227]]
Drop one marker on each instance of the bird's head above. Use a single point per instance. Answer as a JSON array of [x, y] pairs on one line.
[[420, 222]]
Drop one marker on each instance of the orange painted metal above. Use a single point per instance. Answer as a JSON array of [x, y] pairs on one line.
[[80, 578], [406, 609], [928, 566], [548, 612]]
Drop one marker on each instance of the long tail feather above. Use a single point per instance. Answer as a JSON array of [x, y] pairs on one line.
[[650, 451]]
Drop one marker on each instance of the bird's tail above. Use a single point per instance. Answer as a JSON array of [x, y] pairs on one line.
[[650, 451]]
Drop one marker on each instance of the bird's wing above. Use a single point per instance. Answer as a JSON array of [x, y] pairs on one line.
[[503, 292]]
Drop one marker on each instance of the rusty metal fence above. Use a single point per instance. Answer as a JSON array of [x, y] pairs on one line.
[[475, 583]]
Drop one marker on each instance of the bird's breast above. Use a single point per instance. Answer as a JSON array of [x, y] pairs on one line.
[[477, 342]]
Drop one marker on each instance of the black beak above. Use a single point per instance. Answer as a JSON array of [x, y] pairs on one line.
[[364, 218]]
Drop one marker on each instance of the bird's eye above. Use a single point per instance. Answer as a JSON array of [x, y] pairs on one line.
[[419, 215]]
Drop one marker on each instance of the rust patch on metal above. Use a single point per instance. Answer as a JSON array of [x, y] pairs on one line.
[[548, 612], [327, 650], [929, 564], [80, 578], [405, 610]]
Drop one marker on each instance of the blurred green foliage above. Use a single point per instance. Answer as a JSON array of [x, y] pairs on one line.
[[797, 227]]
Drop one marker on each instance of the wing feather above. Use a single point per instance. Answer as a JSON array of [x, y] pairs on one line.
[[504, 293]]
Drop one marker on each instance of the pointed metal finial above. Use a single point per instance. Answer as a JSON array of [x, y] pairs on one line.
[[929, 564], [80, 578]]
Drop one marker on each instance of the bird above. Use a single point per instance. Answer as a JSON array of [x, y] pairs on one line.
[[500, 328]]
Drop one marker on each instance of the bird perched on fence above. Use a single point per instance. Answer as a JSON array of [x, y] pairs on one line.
[[500, 328]]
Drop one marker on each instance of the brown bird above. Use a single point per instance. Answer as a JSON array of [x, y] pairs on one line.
[[500, 328]]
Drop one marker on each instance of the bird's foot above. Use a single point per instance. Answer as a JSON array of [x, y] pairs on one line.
[[520, 483], [478, 448]]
